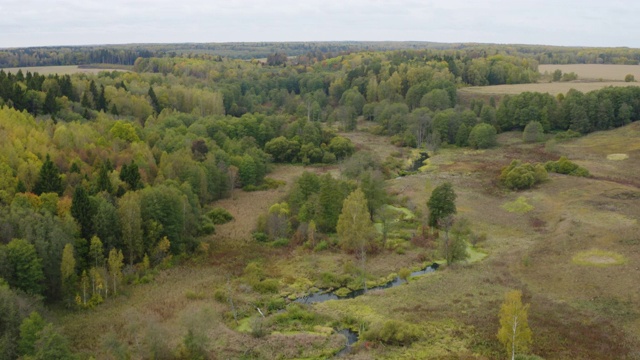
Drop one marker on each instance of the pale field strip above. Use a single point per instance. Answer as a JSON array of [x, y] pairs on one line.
[[60, 70]]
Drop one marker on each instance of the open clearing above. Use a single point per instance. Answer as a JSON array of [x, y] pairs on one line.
[[577, 312], [606, 72], [60, 70], [590, 77]]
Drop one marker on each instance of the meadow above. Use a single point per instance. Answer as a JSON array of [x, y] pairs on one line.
[[590, 77], [64, 69], [599, 72], [573, 252]]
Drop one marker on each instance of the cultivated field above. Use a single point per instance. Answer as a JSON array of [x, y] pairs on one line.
[[551, 88], [606, 72], [60, 70], [590, 77]]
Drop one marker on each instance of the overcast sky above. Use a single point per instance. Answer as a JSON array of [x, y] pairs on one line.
[[553, 22]]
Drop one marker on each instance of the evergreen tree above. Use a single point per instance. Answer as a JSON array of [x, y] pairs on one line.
[[49, 179], [131, 175], [50, 106], [101, 102], [82, 210], [104, 182], [154, 101], [85, 101]]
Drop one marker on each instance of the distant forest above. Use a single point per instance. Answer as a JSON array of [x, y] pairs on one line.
[[306, 52]]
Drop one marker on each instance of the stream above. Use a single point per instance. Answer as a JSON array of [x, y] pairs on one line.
[[323, 295]]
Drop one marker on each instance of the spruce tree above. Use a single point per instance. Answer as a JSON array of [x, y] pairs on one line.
[[49, 179], [82, 211], [154, 101]]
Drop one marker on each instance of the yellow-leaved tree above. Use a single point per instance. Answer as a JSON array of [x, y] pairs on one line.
[[514, 333]]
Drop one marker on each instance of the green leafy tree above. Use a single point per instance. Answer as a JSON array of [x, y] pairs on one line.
[[115, 263], [483, 136], [68, 271], [52, 345], [29, 333], [441, 204], [355, 228], [49, 179], [341, 147], [533, 132], [514, 332], [131, 219], [96, 251], [25, 268]]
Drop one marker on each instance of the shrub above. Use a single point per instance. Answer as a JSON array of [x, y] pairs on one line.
[[394, 332], [483, 136], [533, 132], [280, 242], [566, 167], [219, 216], [260, 236], [322, 245], [519, 176], [569, 134], [629, 78], [267, 286]]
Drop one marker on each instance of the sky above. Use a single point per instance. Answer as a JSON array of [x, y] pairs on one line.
[[602, 23]]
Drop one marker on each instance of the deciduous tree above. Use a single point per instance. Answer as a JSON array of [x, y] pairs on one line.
[[442, 203], [514, 332]]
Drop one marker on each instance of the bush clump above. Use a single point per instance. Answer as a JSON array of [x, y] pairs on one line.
[[394, 332], [567, 167], [219, 216], [483, 136], [520, 176], [533, 132]]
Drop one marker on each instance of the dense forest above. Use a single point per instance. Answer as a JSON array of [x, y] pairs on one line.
[[103, 177], [305, 52]]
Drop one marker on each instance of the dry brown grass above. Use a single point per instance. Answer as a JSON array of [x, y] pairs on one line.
[[246, 207], [577, 312], [594, 71], [551, 88]]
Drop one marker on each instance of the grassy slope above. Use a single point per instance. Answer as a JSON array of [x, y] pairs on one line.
[[577, 311]]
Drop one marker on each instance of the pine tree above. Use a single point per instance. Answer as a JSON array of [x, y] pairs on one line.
[[104, 182], [49, 179], [82, 211], [154, 101], [50, 106], [101, 102], [514, 333]]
